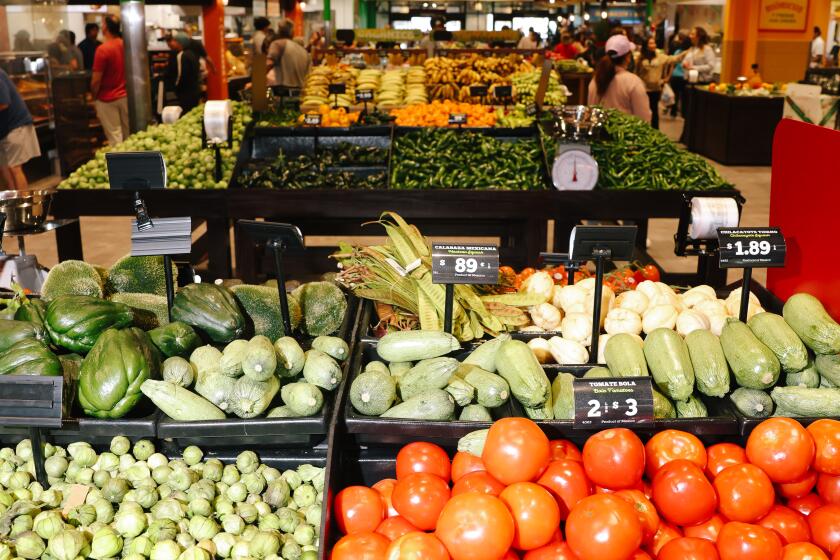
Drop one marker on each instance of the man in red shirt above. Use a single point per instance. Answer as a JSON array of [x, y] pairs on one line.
[[108, 83]]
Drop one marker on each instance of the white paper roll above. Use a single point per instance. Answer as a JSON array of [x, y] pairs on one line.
[[171, 114], [216, 115], [693, 76], [708, 214]]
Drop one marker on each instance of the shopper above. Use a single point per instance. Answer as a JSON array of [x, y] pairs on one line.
[[614, 86], [565, 48], [89, 44], [261, 25], [817, 49], [652, 66], [529, 40], [108, 83], [700, 56], [289, 61], [77, 59], [184, 72], [59, 54], [18, 141], [680, 44]]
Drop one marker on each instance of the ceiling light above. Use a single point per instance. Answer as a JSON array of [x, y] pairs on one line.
[[425, 4], [478, 6], [302, 5], [434, 4], [603, 14], [571, 17], [586, 16]]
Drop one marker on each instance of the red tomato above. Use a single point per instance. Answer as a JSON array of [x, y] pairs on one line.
[[645, 511], [800, 487], [516, 450], [665, 534], [478, 482], [361, 546], [385, 487], [642, 486], [825, 527], [745, 493], [667, 445], [708, 530], [475, 526], [803, 551], [358, 509], [564, 449], [828, 487], [826, 434], [791, 525], [510, 555], [743, 541], [806, 504], [395, 527], [640, 555], [465, 463], [552, 551], [782, 448], [567, 480], [688, 548], [536, 515], [417, 546], [424, 457], [614, 458], [650, 272], [722, 455], [683, 494], [420, 497], [603, 527]]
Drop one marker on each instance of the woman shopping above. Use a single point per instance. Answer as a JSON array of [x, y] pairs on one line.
[[653, 68], [700, 57], [614, 86]]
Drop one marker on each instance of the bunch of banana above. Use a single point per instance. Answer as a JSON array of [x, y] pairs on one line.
[[391, 89], [316, 87], [415, 86], [445, 91], [369, 79]]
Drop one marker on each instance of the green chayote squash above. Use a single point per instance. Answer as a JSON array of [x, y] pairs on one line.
[[35, 311], [12, 332], [111, 375], [175, 339], [75, 322], [29, 357], [211, 309]]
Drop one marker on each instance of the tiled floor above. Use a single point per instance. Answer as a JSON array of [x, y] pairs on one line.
[[107, 239]]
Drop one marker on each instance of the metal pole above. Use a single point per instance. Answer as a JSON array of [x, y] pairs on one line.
[[447, 308], [596, 308], [133, 14], [745, 294], [278, 248], [38, 456], [170, 285]]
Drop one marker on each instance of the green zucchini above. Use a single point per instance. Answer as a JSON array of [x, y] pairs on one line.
[[774, 332], [475, 413], [755, 366], [250, 398], [304, 399], [625, 356], [691, 408], [434, 404], [563, 395], [802, 401], [485, 355], [808, 377], [321, 370], [542, 412], [669, 362], [827, 383], [179, 403], [260, 361], [177, 370], [332, 345], [398, 370], [372, 393], [662, 406], [473, 442], [520, 368], [281, 412], [809, 320], [828, 366], [753, 403], [461, 391], [433, 373], [598, 372], [711, 373], [214, 387], [232, 356], [376, 365], [411, 346], [290, 357], [206, 359], [491, 390]]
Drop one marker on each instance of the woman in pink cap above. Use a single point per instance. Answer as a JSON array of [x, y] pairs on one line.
[[615, 87]]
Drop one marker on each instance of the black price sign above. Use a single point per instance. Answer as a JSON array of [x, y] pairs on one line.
[[363, 95], [312, 120], [458, 118], [337, 89], [531, 110], [751, 247], [465, 264], [478, 91], [613, 402], [503, 92]]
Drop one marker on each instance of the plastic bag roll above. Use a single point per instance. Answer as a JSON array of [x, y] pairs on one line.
[[709, 214], [216, 116], [171, 114]]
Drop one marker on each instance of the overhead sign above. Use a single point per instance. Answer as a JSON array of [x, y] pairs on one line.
[[783, 15]]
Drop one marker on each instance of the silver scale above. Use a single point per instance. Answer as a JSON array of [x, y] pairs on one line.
[[574, 126]]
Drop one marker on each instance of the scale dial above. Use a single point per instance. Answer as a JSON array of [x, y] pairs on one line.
[[574, 170]]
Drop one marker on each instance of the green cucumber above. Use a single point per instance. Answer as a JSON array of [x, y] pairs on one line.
[[491, 390], [304, 399], [434, 404], [461, 391], [290, 357], [810, 321], [517, 364], [260, 361], [669, 362], [485, 355], [180, 404], [332, 345], [774, 332], [321, 370], [691, 408], [808, 377], [802, 401], [232, 356], [411, 346], [711, 372], [662, 406], [598, 372], [625, 356], [475, 413], [753, 403], [563, 395], [372, 393], [755, 366], [433, 373], [828, 366]]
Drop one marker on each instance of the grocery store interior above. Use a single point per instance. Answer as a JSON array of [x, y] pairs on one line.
[[419, 280]]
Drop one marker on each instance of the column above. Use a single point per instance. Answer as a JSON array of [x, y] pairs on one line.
[[213, 16], [133, 15]]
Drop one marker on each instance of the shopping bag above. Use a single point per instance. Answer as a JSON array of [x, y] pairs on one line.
[[667, 98]]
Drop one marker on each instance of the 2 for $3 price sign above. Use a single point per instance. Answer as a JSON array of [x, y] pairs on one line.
[[604, 403]]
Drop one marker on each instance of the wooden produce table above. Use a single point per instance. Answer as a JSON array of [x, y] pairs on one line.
[[732, 129]]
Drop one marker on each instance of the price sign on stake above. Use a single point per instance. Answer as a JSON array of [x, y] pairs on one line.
[[337, 89], [465, 264], [312, 120], [363, 95], [478, 91], [503, 92], [751, 247], [605, 403], [457, 118]]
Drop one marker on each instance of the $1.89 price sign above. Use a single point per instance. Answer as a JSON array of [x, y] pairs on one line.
[[612, 402], [454, 263], [751, 247]]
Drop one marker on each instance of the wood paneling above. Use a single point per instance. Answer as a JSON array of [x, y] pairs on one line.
[[782, 61]]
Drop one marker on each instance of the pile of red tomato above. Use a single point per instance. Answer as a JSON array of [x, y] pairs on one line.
[[529, 498]]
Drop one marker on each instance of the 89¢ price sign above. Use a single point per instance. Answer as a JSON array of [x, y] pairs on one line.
[[751, 247], [612, 402], [465, 264]]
